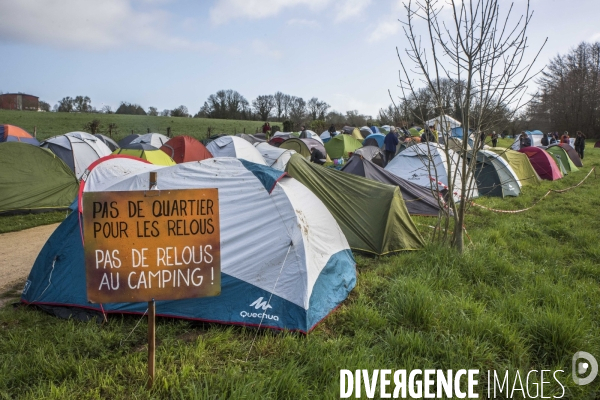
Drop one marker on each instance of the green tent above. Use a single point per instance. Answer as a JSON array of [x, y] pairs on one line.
[[520, 163], [339, 146], [562, 159], [371, 214], [415, 131], [34, 179]]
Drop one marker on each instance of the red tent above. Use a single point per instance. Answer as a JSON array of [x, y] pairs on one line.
[[185, 148], [11, 133], [543, 163], [597, 144], [276, 141]]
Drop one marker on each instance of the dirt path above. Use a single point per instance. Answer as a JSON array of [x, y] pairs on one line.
[[18, 251]]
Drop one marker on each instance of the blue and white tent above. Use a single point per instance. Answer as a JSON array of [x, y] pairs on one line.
[[285, 262]]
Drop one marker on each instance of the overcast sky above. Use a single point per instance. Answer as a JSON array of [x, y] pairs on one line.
[[166, 53]]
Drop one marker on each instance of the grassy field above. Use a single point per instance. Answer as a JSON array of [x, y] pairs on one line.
[[51, 124], [524, 296]]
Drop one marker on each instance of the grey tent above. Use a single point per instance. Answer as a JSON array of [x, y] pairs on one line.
[[250, 138], [418, 200], [371, 153], [494, 176], [128, 139], [112, 145]]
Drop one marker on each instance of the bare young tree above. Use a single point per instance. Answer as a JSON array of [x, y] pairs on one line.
[[263, 105], [471, 50], [279, 100], [297, 109]]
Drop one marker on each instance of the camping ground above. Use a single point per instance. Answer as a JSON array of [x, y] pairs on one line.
[[525, 295]]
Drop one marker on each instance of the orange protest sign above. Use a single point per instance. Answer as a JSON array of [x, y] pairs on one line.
[[144, 245]]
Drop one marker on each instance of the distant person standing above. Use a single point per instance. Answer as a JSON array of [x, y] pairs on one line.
[[580, 144], [524, 140], [545, 140], [552, 139], [482, 136], [303, 132], [494, 139], [331, 130], [390, 142], [565, 138]]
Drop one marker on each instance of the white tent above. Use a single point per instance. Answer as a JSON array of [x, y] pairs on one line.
[[233, 146], [153, 139], [285, 263], [365, 131], [274, 156], [425, 165], [326, 136], [313, 135], [77, 149], [443, 123]]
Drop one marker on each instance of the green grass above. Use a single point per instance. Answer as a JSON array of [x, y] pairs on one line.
[[13, 223], [51, 124], [524, 296]]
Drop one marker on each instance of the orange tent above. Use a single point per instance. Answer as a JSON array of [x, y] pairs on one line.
[[11, 133], [185, 148]]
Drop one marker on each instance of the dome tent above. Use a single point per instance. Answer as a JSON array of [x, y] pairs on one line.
[[77, 149], [374, 139], [11, 133], [275, 157], [111, 144], [372, 215], [304, 147], [146, 152], [341, 146], [520, 163], [233, 146], [33, 179], [543, 163], [268, 252], [418, 200], [184, 149], [371, 153], [425, 164], [561, 156], [572, 154], [153, 139], [494, 176], [128, 139]]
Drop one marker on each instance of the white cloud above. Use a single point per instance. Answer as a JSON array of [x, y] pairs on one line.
[[262, 49], [90, 25], [344, 102], [594, 38], [350, 8], [225, 10], [384, 30], [302, 22]]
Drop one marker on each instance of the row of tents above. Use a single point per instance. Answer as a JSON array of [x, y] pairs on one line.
[[291, 225]]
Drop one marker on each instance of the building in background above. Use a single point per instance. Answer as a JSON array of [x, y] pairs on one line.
[[19, 101]]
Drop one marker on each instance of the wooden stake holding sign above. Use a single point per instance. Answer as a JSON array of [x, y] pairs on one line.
[[151, 245]]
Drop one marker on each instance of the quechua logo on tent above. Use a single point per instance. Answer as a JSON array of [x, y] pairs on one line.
[[259, 304]]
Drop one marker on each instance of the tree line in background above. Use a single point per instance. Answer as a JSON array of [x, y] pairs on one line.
[[569, 93], [230, 104]]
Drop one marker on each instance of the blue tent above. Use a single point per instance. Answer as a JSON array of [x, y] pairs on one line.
[[276, 272], [377, 136]]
